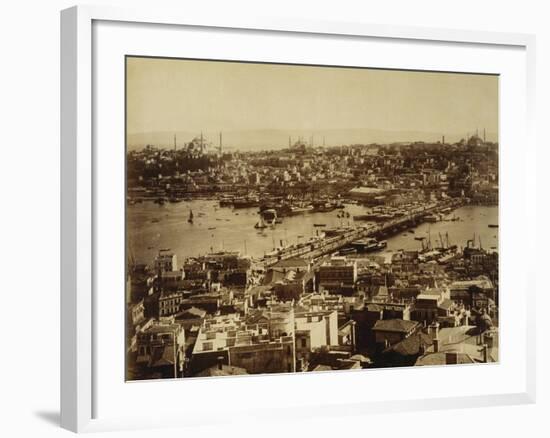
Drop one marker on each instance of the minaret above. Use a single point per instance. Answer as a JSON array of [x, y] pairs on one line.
[[220, 143], [484, 136], [202, 147], [289, 141], [175, 144]]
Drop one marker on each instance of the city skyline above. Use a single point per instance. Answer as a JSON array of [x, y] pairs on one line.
[[248, 100]]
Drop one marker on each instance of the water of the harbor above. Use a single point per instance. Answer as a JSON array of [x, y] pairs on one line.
[[151, 227]]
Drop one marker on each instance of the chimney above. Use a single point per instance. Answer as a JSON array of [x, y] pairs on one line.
[[220, 362], [484, 353], [421, 346], [436, 345], [434, 330], [451, 358]]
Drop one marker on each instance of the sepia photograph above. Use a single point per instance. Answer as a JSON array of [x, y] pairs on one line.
[[288, 218]]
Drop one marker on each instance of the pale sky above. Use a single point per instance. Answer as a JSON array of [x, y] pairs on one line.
[[167, 95]]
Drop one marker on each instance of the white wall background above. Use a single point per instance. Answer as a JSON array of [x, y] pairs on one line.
[[29, 215]]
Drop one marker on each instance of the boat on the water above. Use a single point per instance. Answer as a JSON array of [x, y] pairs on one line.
[[190, 220], [301, 209], [368, 245], [347, 251], [324, 206], [493, 225], [260, 224], [269, 216], [431, 218], [246, 202], [226, 201], [319, 225]]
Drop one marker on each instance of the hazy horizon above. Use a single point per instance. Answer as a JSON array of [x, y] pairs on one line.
[[260, 105], [248, 140]]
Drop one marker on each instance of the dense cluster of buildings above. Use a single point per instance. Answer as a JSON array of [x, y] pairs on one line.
[[225, 313], [389, 174]]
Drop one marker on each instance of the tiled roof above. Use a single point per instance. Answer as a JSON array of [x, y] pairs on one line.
[[411, 345], [191, 313], [395, 325], [273, 276], [441, 359], [446, 304], [162, 356]]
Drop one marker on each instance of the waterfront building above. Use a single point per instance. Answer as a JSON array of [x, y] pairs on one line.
[[367, 195], [338, 275], [166, 260]]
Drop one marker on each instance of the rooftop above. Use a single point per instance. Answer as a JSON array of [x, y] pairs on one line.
[[295, 262], [395, 325], [444, 358], [412, 345]]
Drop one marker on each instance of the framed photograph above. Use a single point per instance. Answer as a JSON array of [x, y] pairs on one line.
[[305, 218]]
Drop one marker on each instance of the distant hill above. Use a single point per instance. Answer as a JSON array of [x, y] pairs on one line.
[[264, 139]]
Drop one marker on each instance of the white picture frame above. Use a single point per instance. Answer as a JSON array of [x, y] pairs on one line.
[[78, 200]]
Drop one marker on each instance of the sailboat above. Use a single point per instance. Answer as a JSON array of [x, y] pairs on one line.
[[190, 220]]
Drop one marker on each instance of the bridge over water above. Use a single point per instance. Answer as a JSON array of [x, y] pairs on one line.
[[327, 245]]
